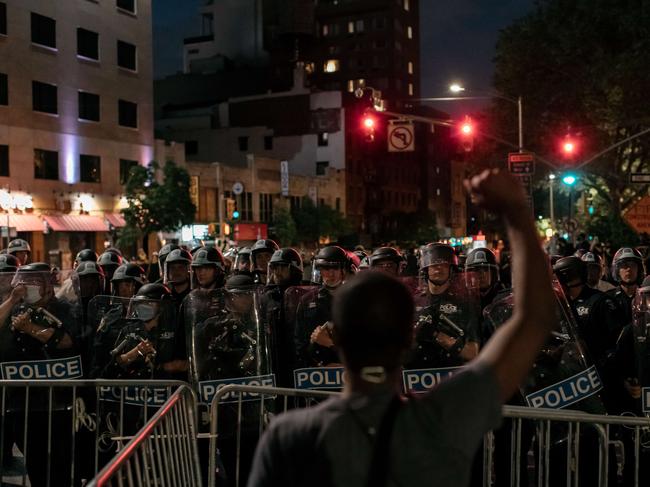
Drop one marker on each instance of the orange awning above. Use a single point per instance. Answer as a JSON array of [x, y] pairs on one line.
[[76, 223], [115, 219], [23, 223]]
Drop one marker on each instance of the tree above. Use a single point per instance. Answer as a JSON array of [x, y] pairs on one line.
[[284, 227], [314, 222], [581, 69], [155, 206]]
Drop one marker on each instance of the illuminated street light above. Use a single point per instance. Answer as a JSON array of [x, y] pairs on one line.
[[456, 88]]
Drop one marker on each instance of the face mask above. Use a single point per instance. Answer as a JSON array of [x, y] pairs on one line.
[[145, 312], [33, 294]]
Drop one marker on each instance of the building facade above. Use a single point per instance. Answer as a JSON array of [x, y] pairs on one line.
[[76, 112]]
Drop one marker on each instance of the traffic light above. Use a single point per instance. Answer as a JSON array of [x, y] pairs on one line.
[[466, 132], [231, 209], [569, 179], [569, 147], [368, 126]]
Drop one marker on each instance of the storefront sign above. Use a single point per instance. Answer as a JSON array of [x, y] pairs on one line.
[[15, 201]]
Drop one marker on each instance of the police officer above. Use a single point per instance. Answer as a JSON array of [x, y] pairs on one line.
[[260, 255], [285, 271], [447, 332], [598, 317], [229, 257], [595, 270], [208, 269], [20, 249], [162, 257], [85, 255], [243, 261], [387, 259], [127, 280], [483, 262], [37, 327], [313, 334], [177, 274], [628, 272], [109, 262]]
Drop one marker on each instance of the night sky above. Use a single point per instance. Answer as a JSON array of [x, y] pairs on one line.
[[458, 39]]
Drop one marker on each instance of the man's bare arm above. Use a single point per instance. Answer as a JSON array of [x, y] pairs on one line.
[[513, 348]]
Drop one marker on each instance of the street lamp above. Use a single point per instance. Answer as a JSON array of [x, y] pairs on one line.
[[456, 88], [551, 178]]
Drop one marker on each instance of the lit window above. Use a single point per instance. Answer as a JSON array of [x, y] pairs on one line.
[[331, 66], [326, 30], [351, 27], [409, 32], [407, 5], [309, 68], [410, 89], [410, 67], [350, 85]]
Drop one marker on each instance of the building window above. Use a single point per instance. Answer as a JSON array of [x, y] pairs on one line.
[[351, 27], [321, 167], [46, 164], [3, 18], [359, 26], [126, 5], [244, 204], [44, 97], [90, 169], [411, 89], [4, 89], [338, 204], [87, 44], [268, 142], [191, 147], [351, 86], [128, 114], [88, 106], [409, 32], [43, 31], [125, 169], [410, 67], [242, 142], [266, 207], [323, 139], [326, 30], [331, 66], [4, 160], [127, 56], [407, 5]]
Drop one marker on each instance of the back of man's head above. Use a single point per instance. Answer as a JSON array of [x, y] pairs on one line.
[[373, 321]]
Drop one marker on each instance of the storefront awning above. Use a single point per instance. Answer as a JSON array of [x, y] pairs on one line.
[[23, 223], [76, 223], [115, 219]]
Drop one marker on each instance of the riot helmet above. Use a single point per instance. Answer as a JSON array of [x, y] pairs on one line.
[[177, 267], [438, 261], [196, 247], [208, 268], [364, 265], [571, 272], [85, 255], [330, 266], [594, 264], [8, 263], [109, 261], [146, 303], [127, 280], [285, 267], [243, 260], [38, 281], [483, 262], [89, 277], [229, 257], [239, 293], [164, 252], [261, 254], [387, 259], [624, 260], [114, 250], [20, 249]]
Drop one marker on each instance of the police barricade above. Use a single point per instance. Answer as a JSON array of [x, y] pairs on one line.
[[56, 431], [549, 468], [228, 343], [163, 452]]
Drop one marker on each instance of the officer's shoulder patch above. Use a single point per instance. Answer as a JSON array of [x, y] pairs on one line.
[[448, 308]]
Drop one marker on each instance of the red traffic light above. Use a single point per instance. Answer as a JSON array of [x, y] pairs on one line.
[[466, 128], [569, 147], [368, 126], [368, 122]]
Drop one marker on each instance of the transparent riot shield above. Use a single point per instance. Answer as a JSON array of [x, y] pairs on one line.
[[640, 335], [562, 376], [228, 342], [5, 285], [317, 365]]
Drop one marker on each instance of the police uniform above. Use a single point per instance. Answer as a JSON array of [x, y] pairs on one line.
[[314, 309], [428, 353], [624, 303], [281, 337]]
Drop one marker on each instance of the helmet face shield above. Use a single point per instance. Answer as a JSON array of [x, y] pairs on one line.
[[38, 285]]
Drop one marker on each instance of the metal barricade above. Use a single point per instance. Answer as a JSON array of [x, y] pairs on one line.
[[59, 432], [164, 452], [264, 402], [557, 433]]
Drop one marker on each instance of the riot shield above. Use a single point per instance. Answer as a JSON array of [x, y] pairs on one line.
[[227, 341], [5, 285], [641, 337], [446, 330], [562, 375], [136, 338]]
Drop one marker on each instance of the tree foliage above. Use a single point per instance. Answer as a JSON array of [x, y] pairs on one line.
[[581, 66], [313, 222], [154, 204], [284, 226]]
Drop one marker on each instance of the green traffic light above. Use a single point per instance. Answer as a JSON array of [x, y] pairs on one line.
[[569, 179], [235, 215]]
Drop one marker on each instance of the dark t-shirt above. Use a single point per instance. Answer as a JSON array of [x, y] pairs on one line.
[[434, 438]]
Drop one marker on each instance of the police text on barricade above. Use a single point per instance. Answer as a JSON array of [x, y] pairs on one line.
[[331, 378], [645, 399], [136, 395], [422, 380], [567, 392], [207, 389], [55, 369]]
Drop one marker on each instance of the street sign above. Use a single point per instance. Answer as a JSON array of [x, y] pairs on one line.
[[640, 177], [401, 137], [638, 216], [284, 177], [521, 163], [237, 188]]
